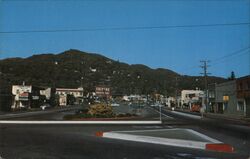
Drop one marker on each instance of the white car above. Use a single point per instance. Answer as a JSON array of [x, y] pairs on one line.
[[115, 105], [46, 106], [156, 105]]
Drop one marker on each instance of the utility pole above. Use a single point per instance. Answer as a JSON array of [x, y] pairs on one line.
[[176, 91], [204, 66]]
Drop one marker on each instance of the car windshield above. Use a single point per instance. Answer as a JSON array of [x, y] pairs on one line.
[[125, 79]]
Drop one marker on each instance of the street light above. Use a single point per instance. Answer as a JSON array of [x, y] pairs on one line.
[[82, 88], [160, 111]]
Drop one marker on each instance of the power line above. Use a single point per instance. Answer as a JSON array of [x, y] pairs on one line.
[[232, 54], [223, 58], [124, 28], [226, 59]]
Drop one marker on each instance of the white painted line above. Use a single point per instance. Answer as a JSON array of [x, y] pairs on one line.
[[204, 136], [156, 140], [160, 140], [147, 130], [78, 122], [161, 113], [187, 115], [170, 127], [148, 127]]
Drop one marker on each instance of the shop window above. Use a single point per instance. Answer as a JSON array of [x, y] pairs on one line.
[[240, 105]]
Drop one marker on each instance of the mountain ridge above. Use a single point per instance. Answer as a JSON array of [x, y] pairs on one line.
[[75, 68]]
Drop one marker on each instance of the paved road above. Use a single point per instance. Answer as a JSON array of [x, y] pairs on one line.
[[79, 141], [38, 114], [75, 141]]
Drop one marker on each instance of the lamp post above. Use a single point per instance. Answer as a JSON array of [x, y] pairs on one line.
[[82, 89], [160, 111], [55, 65]]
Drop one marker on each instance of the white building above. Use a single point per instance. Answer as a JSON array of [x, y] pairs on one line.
[[19, 89], [46, 93], [63, 92], [191, 96], [169, 101], [77, 93], [21, 95]]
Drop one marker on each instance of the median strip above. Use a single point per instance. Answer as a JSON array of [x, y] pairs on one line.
[[78, 122], [171, 137]]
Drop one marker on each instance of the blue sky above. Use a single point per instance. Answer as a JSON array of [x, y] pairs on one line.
[[178, 49]]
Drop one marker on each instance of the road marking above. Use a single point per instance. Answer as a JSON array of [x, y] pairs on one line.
[[156, 140], [143, 130], [204, 136], [161, 113], [209, 144], [187, 115], [77, 122], [148, 127]]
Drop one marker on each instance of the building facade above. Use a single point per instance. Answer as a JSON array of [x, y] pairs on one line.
[[65, 93], [189, 97], [26, 96], [226, 99], [243, 95], [232, 98]]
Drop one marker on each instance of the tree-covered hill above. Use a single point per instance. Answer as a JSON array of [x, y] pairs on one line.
[[74, 68]]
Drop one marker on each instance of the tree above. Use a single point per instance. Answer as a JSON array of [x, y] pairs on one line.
[[232, 77]]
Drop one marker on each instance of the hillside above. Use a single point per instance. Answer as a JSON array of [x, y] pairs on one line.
[[66, 70]]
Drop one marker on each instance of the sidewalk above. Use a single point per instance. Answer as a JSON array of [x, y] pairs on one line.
[[235, 119], [35, 112]]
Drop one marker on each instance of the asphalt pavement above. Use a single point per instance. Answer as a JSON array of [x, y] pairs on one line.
[[21, 141], [74, 141]]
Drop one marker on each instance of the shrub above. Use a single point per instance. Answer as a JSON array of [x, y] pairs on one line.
[[101, 111]]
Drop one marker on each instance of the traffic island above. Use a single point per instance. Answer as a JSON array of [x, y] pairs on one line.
[[171, 137], [102, 112]]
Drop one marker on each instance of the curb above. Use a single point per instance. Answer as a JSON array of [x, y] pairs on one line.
[[78, 122], [220, 147], [211, 145], [99, 134]]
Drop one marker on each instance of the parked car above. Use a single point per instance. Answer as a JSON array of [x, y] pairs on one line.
[[115, 105], [45, 106]]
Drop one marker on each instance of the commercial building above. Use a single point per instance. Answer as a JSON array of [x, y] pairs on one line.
[[65, 93], [231, 98], [226, 99], [243, 95], [189, 97], [26, 96]]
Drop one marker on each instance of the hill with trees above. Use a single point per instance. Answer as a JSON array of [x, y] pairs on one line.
[[74, 68]]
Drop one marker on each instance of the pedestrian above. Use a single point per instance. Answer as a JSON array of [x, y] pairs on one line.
[[202, 110]]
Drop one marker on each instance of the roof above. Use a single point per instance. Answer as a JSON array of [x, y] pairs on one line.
[[69, 89]]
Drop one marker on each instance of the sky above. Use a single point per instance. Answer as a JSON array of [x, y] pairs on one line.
[[148, 32]]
